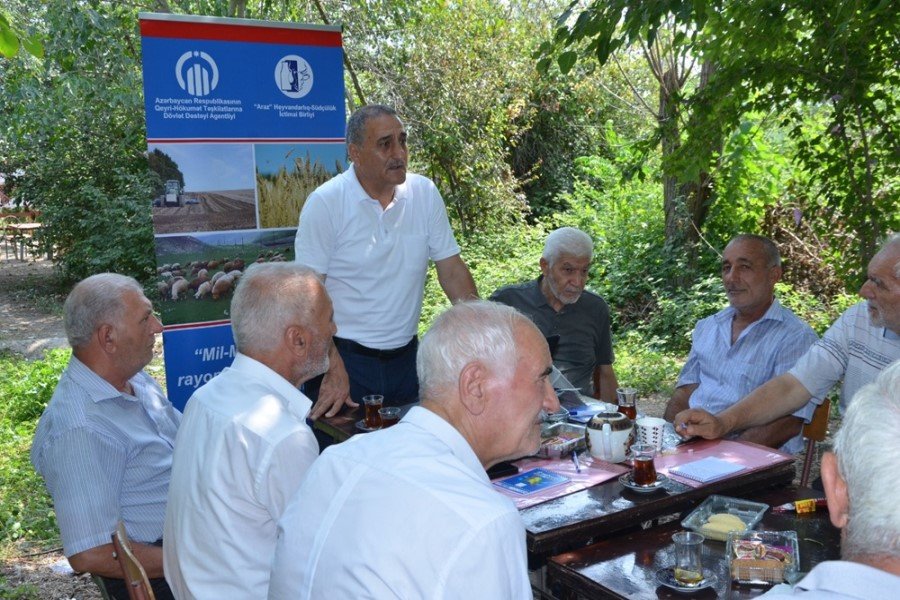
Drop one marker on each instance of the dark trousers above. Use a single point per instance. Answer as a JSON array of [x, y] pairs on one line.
[[391, 373], [117, 590]]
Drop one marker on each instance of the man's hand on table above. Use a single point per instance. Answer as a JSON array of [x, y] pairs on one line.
[[334, 392], [695, 422]]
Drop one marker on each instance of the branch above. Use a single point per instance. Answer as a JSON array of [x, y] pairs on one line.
[[347, 63], [631, 86]]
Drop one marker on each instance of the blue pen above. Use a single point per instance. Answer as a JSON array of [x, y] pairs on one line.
[[575, 460]]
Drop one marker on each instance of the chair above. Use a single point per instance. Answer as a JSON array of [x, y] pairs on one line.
[[9, 235], [136, 580], [814, 432]]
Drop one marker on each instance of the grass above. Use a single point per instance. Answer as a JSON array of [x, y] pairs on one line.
[[26, 511]]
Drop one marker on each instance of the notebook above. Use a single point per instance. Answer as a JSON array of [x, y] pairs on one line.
[[706, 469], [532, 481]]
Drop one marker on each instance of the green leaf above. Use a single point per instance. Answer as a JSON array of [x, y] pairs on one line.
[[543, 65], [9, 41], [567, 60], [33, 45]]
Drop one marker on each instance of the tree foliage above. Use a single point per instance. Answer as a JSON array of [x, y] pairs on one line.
[[78, 148], [837, 57]]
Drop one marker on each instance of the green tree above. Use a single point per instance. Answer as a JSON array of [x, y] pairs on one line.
[[837, 56], [77, 148]]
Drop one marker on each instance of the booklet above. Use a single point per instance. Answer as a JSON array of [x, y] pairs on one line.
[[532, 481], [706, 469]]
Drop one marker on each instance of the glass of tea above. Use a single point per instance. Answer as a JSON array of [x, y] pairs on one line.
[[389, 415], [626, 398], [373, 403], [644, 471], [688, 555]]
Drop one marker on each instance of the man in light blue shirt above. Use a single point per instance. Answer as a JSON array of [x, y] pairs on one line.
[[104, 443], [746, 344]]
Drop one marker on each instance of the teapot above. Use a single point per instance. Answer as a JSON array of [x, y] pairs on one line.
[[608, 436]]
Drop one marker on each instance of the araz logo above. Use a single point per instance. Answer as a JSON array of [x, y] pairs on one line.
[[197, 73], [293, 76]]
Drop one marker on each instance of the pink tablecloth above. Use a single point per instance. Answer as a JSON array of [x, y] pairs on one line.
[[751, 456], [592, 473]]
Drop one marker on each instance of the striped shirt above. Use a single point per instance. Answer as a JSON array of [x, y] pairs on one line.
[[105, 456], [851, 350], [727, 372]]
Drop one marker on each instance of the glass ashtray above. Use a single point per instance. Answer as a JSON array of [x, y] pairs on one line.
[[560, 440], [762, 557], [706, 518]]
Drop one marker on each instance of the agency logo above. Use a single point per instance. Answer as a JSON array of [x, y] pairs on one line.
[[197, 73], [293, 76]]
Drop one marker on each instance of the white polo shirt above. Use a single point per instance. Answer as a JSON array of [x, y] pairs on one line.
[[375, 259]]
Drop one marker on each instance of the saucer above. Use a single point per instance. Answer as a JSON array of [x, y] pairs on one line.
[[666, 577], [361, 425], [627, 480]]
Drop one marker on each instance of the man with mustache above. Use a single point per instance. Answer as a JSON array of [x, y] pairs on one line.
[[560, 307], [746, 344], [859, 345], [408, 511], [244, 444], [370, 232]]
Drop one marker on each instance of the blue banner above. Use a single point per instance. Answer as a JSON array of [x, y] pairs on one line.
[[244, 119]]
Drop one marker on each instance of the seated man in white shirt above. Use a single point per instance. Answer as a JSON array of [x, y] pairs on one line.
[[860, 485], [409, 512], [244, 444]]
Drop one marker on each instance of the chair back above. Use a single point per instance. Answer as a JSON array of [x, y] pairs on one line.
[[136, 580], [814, 431]]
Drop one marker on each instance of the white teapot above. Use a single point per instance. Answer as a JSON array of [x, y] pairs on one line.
[[609, 435]]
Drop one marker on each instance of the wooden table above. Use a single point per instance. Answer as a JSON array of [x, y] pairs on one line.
[[576, 520], [626, 566], [21, 232], [342, 426]]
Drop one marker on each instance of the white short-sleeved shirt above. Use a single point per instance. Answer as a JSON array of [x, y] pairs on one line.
[[375, 260], [726, 372], [407, 512], [851, 350], [105, 456], [240, 454]]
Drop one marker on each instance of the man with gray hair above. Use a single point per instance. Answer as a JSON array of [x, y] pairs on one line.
[[746, 344], [409, 512], [859, 477], [859, 345], [577, 320], [371, 232], [244, 444], [104, 443]]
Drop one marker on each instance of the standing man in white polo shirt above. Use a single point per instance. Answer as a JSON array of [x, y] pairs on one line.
[[370, 232]]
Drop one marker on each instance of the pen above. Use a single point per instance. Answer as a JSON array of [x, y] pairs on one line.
[[575, 460]]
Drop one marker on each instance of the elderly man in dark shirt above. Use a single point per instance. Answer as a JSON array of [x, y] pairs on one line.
[[560, 307]]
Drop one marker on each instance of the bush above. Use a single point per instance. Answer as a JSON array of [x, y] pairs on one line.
[[508, 256], [643, 363], [26, 511]]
